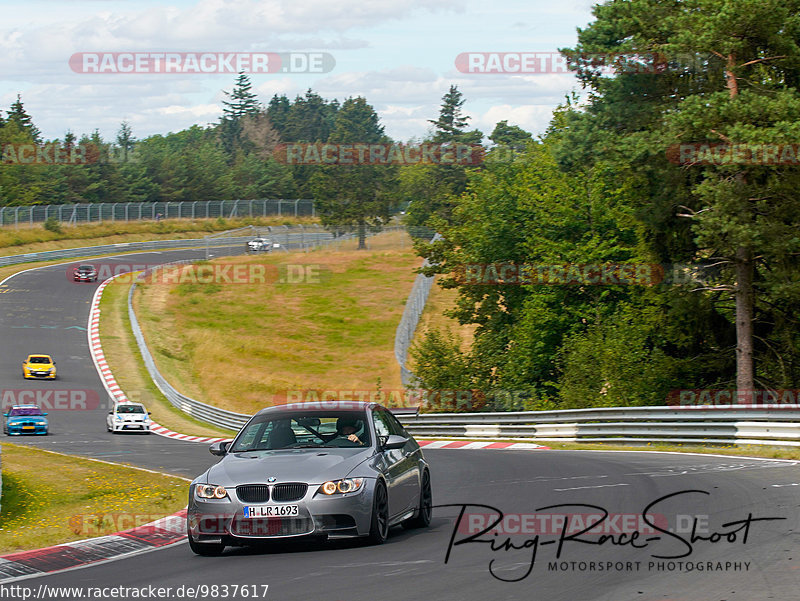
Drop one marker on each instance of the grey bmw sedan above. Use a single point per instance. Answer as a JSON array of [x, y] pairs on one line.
[[330, 469]]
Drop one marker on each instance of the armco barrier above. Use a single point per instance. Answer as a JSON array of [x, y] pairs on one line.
[[777, 425], [404, 334], [300, 236]]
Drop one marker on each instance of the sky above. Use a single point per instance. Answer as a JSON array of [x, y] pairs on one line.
[[400, 56]]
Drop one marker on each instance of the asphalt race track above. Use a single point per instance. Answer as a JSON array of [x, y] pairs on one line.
[[547, 498]]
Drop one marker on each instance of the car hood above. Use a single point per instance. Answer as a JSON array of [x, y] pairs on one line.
[[39, 366], [297, 465], [25, 418]]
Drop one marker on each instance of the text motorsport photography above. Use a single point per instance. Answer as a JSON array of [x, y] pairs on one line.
[[649, 540]]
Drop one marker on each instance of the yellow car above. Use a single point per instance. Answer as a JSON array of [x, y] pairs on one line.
[[41, 367]]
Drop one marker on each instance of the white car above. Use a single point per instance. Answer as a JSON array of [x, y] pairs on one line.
[[261, 244], [128, 417]]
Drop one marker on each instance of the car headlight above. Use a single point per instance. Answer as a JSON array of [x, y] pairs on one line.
[[211, 491], [345, 485]]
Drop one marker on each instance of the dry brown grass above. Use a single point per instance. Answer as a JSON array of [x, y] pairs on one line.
[[246, 346]]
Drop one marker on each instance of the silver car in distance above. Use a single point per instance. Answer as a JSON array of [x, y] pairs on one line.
[[331, 469]]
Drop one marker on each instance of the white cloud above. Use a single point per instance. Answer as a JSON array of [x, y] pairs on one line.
[[397, 55]]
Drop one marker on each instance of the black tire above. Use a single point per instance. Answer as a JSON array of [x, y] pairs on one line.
[[425, 509], [205, 549], [379, 527]]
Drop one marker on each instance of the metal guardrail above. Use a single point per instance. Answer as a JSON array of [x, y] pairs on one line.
[[777, 425], [140, 211], [304, 236], [404, 335], [199, 410]]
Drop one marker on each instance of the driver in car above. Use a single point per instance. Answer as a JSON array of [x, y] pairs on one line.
[[346, 427]]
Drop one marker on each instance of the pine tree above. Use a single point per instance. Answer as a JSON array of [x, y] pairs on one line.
[[278, 112], [125, 140], [452, 123], [23, 120], [242, 100]]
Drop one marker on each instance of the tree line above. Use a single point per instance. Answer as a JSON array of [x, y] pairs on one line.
[[604, 186], [238, 158]]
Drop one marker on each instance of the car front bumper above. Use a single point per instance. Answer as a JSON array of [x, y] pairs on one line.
[[338, 516], [130, 426], [16, 430], [40, 375]]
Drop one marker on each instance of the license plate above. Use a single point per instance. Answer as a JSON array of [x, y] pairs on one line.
[[271, 511], [28, 427]]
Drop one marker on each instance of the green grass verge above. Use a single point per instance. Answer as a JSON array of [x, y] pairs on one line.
[[50, 498]]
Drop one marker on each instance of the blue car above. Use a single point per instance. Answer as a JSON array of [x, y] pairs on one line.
[[25, 419]]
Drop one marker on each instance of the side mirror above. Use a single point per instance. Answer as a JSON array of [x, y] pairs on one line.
[[393, 442], [111, 413], [219, 448], [45, 413], [5, 415]]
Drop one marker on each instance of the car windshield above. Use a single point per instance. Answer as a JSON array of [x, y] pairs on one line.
[[17, 411], [130, 409], [85, 268], [43, 360], [304, 429]]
